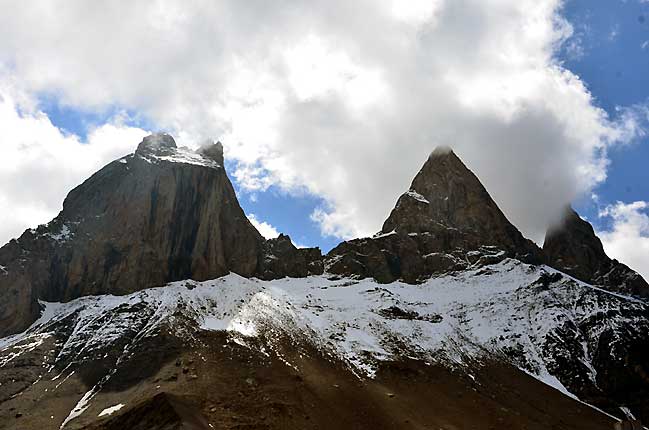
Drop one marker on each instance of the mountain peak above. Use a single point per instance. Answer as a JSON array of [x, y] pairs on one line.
[[163, 214], [212, 150], [156, 142], [448, 201], [442, 150], [574, 248], [445, 221]]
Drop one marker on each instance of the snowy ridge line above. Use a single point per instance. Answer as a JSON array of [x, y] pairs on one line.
[[596, 288], [459, 320], [182, 155]]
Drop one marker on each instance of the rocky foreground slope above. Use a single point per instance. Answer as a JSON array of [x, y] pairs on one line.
[[583, 341], [152, 302]]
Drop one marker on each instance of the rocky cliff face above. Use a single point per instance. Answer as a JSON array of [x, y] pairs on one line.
[[281, 258], [446, 221], [256, 351], [166, 213], [574, 248], [158, 215]]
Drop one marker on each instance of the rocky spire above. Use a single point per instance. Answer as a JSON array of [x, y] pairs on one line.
[[573, 248], [447, 200], [446, 221]]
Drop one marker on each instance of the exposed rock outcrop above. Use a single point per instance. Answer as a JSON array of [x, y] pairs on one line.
[[573, 248], [213, 151], [161, 214], [240, 352], [282, 258], [446, 221]]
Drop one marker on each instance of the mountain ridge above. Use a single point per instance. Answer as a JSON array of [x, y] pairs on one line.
[[151, 281], [574, 248], [181, 210]]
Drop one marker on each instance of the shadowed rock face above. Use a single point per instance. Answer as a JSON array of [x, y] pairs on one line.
[[166, 213], [282, 258], [574, 248], [446, 221], [448, 201], [158, 215]]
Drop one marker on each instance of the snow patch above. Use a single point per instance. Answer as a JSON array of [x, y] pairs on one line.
[[380, 235], [79, 408], [111, 410], [63, 235], [475, 314], [415, 195], [26, 344], [181, 155]]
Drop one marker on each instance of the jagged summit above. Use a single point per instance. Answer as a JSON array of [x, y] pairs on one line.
[[573, 248], [161, 147], [145, 352], [445, 221], [212, 150], [448, 200], [161, 214], [157, 142]]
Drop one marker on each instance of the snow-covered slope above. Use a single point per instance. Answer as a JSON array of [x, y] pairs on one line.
[[559, 330]]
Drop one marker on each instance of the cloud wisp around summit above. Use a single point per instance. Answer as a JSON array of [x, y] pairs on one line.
[[343, 99]]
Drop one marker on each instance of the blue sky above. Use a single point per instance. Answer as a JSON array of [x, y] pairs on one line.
[[287, 212], [614, 36], [609, 51]]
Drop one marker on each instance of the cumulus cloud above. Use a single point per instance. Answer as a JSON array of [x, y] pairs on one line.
[[343, 99], [628, 238], [40, 163], [266, 230]]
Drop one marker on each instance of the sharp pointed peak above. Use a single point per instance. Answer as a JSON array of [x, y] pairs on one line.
[[572, 246], [156, 142], [445, 156], [567, 220], [442, 150], [446, 199]]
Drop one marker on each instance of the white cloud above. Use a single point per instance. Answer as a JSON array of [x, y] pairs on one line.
[[628, 238], [344, 99], [40, 163], [266, 230]]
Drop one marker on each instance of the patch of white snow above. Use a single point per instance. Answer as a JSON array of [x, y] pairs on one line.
[[111, 410], [415, 195]]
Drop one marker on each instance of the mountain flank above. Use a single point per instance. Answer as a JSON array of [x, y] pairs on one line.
[[165, 213], [152, 302], [158, 215], [573, 248]]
